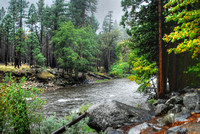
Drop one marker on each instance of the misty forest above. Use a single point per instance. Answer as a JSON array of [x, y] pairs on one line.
[[63, 71]]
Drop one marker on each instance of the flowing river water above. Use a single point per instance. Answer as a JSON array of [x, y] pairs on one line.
[[65, 100]]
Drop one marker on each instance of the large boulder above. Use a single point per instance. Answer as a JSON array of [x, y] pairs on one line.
[[190, 100], [114, 114]]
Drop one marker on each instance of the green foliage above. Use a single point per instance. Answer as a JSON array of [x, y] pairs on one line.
[[99, 81], [119, 69], [21, 44], [142, 70], [84, 108], [75, 48], [186, 33], [51, 124], [79, 128], [142, 26], [82, 13], [17, 114], [34, 44], [32, 16], [151, 101]]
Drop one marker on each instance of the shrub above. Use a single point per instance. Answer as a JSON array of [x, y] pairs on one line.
[[51, 124], [119, 69], [17, 114]]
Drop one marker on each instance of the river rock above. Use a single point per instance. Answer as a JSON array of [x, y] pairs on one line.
[[169, 119], [113, 113], [190, 100], [162, 109], [110, 130], [176, 130], [137, 129], [159, 101], [174, 100], [176, 109], [183, 115]]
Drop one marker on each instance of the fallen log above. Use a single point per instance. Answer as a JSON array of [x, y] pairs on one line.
[[94, 75], [103, 76], [99, 76], [63, 129]]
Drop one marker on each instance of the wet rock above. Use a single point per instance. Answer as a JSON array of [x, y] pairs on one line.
[[169, 119], [176, 130], [160, 122], [175, 109], [137, 129], [174, 100], [159, 101], [190, 100], [175, 94], [162, 109], [188, 90], [110, 130], [113, 113], [183, 115]]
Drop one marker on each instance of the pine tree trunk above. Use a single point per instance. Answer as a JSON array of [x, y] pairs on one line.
[[161, 84], [83, 16], [6, 51]]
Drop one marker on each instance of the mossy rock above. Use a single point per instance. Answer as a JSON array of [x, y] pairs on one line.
[[45, 76]]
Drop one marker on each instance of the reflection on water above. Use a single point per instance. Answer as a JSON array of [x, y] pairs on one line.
[[65, 100]]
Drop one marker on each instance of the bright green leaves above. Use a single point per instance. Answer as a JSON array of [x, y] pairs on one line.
[[142, 70], [17, 112], [188, 30]]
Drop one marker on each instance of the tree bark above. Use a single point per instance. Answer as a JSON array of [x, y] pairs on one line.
[[160, 80]]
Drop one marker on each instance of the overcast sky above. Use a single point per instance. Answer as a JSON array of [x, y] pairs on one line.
[[102, 8]]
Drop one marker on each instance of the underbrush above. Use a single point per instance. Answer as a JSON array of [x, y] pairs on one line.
[[20, 108], [51, 124]]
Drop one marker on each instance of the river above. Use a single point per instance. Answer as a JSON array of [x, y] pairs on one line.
[[65, 100]]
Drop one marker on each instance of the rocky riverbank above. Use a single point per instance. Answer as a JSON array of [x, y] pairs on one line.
[[178, 113], [49, 79]]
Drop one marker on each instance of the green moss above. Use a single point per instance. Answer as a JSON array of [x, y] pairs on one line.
[[46, 75]]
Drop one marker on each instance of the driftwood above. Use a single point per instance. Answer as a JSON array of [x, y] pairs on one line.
[[63, 129], [99, 76]]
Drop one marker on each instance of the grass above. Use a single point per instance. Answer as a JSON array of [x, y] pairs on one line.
[[10, 68]]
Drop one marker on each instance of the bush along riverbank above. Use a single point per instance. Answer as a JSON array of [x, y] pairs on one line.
[[21, 111]]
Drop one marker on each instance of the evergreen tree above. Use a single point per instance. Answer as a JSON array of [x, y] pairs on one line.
[[58, 11], [2, 13], [32, 17], [21, 8], [108, 22], [79, 11], [8, 34], [75, 48], [20, 47], [36, 56], [108, 42], [40, 13]]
